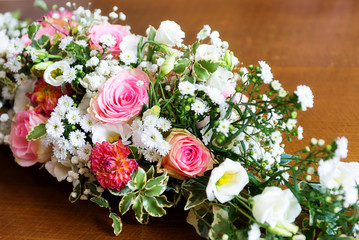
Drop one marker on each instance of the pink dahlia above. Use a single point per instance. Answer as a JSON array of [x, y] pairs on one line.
[[110, 164]]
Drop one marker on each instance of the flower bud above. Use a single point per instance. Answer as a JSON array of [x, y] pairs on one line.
[[168, 65], [39, 69]]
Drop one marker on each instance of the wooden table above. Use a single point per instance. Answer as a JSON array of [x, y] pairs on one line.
[[306, 42]]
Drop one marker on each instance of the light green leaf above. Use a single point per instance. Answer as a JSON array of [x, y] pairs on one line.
[[117, 223], [154, 191], [126, 202], [157, 181], [37, 132], [140, 178], [194, 47], [137, 207], [100, 201], [210, 66], [200, 72], [119, 193], [151, 33], [32, 30], [286, 158], [181, 65], [41, 4], [151, 206]]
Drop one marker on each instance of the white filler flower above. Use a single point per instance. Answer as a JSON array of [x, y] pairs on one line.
[[275, 205], [305, 96], [226, 181]]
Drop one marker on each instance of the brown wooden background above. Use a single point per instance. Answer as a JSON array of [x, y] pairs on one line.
[[306, 42]]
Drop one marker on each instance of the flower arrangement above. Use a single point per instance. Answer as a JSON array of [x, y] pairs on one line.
[[150, 122]]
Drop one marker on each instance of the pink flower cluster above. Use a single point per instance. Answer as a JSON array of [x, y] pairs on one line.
[[110, 164]]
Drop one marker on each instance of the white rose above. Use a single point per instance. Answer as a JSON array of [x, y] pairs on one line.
[[4, 39], [275, 205], [226, 181], [54, 74], [169, 33], [219, 79], [207, 52], [21, 100], [57, 169]]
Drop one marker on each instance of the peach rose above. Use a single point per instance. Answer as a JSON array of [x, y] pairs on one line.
[[116, 31], [188, 156], [27, 153], [121, 98]]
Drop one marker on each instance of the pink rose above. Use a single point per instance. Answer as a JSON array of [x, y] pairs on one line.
[[116, 31], [48, 30], [27, 153], [121, 98], [188, 156]]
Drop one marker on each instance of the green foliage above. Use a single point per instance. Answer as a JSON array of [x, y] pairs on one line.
[[100, 201], [33, 29], [196, 187], [181, 65], [77, 192], [36, 132], [41, 4], [116, 224]]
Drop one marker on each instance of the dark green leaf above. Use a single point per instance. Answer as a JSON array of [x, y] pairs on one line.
[[77, 190], [151, 206], [75, 85], [181, 65], [163, 202], [100, 201], [210, 66], [93, 189], [41, 4], [126, 202], [197, 191], [37, 132], [150, 172], [44, 41], [200, 72], [117, 223], [10, 84], [135, 152]]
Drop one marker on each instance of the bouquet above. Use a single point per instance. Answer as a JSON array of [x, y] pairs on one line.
[[149, 122]]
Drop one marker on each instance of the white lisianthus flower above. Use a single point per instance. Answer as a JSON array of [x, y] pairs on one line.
[[57, 169], [207, 52], [226, 181], [103, 132], [219, 79], [275, 205], [54, 74], [169, 33], [305, 96], [21, 100]]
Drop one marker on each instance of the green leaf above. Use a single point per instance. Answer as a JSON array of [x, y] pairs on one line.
[[117, 223], [44, 41], [157, 181], [181, 65], [286, 158], [210, 66], [151, 206], [93, 189], [32, 30], [37, 132], [154, 191], [151, 33], [163, 202], [75, 85], [194, 47], [77, 190], [150, 173], [134, 150], [119, 193], [126, 202], [188, 78], [100, 201], [41, 4], [137, 207], [197, 191], [140, 178], [200, 72], [10, 84]]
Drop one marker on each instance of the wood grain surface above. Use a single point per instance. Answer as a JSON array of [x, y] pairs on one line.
[[305, 42]]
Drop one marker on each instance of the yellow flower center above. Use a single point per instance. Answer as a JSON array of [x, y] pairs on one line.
[[114, 139], [227, 178]]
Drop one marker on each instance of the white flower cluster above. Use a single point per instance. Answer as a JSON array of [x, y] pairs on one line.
[[66, 132], [146, 134]]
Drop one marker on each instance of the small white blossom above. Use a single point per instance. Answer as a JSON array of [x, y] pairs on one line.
[[223, 127], [266, 73], [342, 147], [65, 41], [199, 106], [163, 124], [92, 62], [87, 122], [54, 127], [305, 96], [151, 155], [186, 87], [108, 40], [151, 137], [77, 138], [73, 116], [291, 123], [276, 85]]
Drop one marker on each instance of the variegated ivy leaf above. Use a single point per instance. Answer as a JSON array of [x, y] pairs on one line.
[[117, 223], [120, 193], [181, 65], [210, 66], [140, 178], [200, 72], [126, 202], [150, 173], [93, 189], [161, 180], [100, 201], [76, 193], [197, 191], [36, 132], [152, 207], [154, 191]]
